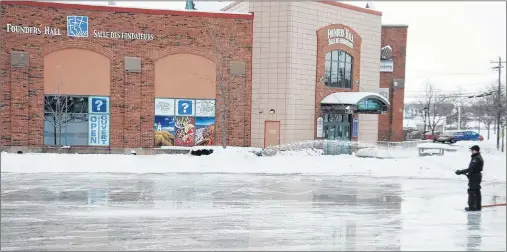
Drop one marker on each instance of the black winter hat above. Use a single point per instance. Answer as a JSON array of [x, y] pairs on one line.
[[475, 148]]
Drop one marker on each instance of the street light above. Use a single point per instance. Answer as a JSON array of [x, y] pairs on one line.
[[425, 109]]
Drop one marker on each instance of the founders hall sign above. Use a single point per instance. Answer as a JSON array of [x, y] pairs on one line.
[[340, 36], [77, 27], [45, 30]]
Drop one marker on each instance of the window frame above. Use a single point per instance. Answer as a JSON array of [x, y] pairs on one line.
[[64, 126], [334, 68]]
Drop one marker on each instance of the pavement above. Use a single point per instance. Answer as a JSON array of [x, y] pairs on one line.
[[220, 211]]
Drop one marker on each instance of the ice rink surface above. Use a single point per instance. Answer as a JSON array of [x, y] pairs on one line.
[[211, 211]]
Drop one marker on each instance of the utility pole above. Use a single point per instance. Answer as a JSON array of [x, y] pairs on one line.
[[498, 99]]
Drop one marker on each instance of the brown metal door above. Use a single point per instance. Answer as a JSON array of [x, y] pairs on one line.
[[271, 133]]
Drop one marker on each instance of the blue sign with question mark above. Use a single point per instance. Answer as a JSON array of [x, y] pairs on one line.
[[185, 107], [98, 105]]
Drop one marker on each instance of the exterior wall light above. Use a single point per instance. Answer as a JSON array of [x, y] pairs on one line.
[[272, 111]]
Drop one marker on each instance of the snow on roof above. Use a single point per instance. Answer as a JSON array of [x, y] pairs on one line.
[[124, 8], [395, 25], [351, 98]]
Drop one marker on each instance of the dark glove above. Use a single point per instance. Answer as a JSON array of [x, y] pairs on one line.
[[458, 172]]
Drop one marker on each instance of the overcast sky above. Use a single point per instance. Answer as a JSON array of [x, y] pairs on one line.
[[450, 44]]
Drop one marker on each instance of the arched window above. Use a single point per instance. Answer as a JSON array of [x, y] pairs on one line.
[[339, 69]]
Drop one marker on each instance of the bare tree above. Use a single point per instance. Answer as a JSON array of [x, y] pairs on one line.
[[485, 107], [484, 110], [225, 45], [435, 105], [56, 108]]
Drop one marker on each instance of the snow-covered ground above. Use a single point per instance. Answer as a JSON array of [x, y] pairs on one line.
[[402, 163], [235, 200]]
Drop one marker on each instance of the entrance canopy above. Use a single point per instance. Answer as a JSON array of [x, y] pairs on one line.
[[359, 102]]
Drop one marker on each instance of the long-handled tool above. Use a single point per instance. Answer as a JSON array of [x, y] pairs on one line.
[[494, 205]]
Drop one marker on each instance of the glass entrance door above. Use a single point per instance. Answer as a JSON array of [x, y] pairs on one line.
[[336, 127]]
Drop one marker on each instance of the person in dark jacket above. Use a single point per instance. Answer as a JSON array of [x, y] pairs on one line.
[[473, 172]]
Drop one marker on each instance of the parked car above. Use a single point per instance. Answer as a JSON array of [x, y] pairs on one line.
[[412, 134], [468, 135], [428, 136], [447, 137]]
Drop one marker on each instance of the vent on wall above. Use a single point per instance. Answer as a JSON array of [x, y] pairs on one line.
[[133, 64], [398, 83], [237, 68], [19, 59]]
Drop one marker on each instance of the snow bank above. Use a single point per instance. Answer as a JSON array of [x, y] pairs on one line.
[[386, 153], [242, 160], [486, 146]]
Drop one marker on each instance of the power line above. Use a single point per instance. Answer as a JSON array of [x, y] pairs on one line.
[[498, 100], [448, 73]]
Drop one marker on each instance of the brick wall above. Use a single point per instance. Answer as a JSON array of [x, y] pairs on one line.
[[321, 90], [132, 94], [396, 37]]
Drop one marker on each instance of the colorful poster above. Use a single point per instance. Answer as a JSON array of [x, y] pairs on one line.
[[98, 105], [98, 130], [205, 108], [164, 130], [185, 130], [164, 107], [204, 130], [185, 107]]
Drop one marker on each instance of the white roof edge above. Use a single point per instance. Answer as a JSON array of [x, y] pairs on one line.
[[351, 98], [360, 11], [395, 25], [231, 5], [146, 8]]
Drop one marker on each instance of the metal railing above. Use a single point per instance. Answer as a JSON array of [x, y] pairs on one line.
[[401, 145]]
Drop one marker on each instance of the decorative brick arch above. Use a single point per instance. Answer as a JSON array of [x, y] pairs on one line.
[[78, 44], [156, 55], [89, 77], [175, 76], [323, 47], [338, 26]]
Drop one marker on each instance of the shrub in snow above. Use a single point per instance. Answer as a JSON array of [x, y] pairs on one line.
[[200, 152], [299, 146]]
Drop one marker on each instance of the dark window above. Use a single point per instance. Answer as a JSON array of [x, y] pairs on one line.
[[339, 69], [65, 120]]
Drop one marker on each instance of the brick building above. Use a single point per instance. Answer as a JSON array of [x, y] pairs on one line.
[[117, 78], [392, 81], [122, 78], [318, 73]]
